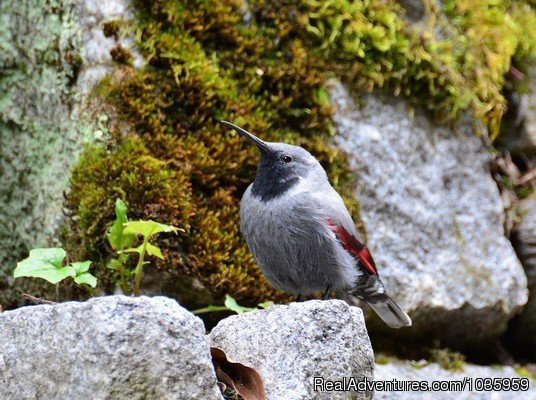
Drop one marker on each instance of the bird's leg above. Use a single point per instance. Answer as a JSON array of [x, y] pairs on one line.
[[298, 298], [326, 293]]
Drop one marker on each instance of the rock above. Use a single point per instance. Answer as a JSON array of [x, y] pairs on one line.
[[519, 134], [408, 371], [290, 345], [51, 57], [91, 15], [523, 328], [415, 10], [434, 219], [37, 59], [109, 347]]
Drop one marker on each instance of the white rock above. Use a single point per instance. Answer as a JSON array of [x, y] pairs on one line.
[[468, 376], [97, 61], [113, 347], [433, 218], [290, 345]]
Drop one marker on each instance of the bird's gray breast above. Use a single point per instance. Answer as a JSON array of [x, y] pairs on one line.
[[289, 242]]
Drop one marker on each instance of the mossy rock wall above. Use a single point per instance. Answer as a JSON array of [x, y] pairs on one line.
[[264, 65]]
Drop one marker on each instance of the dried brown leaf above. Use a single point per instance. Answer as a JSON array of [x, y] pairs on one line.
[[246, 381]]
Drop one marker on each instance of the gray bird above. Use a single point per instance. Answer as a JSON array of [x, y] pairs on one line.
[[301, 234]]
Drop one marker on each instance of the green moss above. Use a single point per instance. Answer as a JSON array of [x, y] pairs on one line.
[[448, 359], [525, 373], [382, 359], [457, 62], [269, 74]]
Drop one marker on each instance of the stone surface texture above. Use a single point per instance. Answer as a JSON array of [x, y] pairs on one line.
[[106, 348], [95, 46], [519, 135], [291, 344], [433, 372], [523, 330], [433, 217]]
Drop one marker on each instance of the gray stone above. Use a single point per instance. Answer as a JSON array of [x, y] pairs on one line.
[[95, 50], [39, 138], [291, 344], [524, 238], [415, 10], [107, 348], [408, 371], [434, 219], [529, 114], [519, 135]]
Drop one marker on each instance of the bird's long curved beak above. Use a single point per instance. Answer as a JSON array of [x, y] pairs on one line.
[[260, 143]]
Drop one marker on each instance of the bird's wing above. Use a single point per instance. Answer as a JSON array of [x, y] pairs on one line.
[[331, 209]]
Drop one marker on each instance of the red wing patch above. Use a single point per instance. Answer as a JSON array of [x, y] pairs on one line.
[[354, 247]]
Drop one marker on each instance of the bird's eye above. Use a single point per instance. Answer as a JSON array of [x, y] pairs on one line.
[[286, 159]]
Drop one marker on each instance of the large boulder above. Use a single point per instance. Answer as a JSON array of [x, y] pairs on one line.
[[290, 345], [433, 217], [464, 384], [523, 328], [109, 347]]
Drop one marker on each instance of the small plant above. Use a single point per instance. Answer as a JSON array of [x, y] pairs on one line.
[[49, 264], [230, 304], [122, 237]]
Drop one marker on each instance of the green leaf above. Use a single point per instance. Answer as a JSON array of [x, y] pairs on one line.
[[148, 228], [232, 305], [81, 266], [114, 264], [82, 275], [86, 278], [45, 264], [152, 250], [117, 238], [138, 249]]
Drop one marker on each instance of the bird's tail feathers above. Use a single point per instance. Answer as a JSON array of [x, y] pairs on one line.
[[371, 290], [389, 311]]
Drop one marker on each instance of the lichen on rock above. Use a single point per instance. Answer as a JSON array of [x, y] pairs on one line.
[[39, 138]]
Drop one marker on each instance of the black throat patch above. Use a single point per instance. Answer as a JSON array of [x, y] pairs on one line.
[[269, 189], [274, 178]]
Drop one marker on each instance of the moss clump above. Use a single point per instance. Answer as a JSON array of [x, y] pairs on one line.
[[121, 55], [264, 68], [111, 29], [448, 359], [457, 62]]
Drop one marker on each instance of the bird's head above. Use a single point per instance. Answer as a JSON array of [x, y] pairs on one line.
[[282, 166]]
